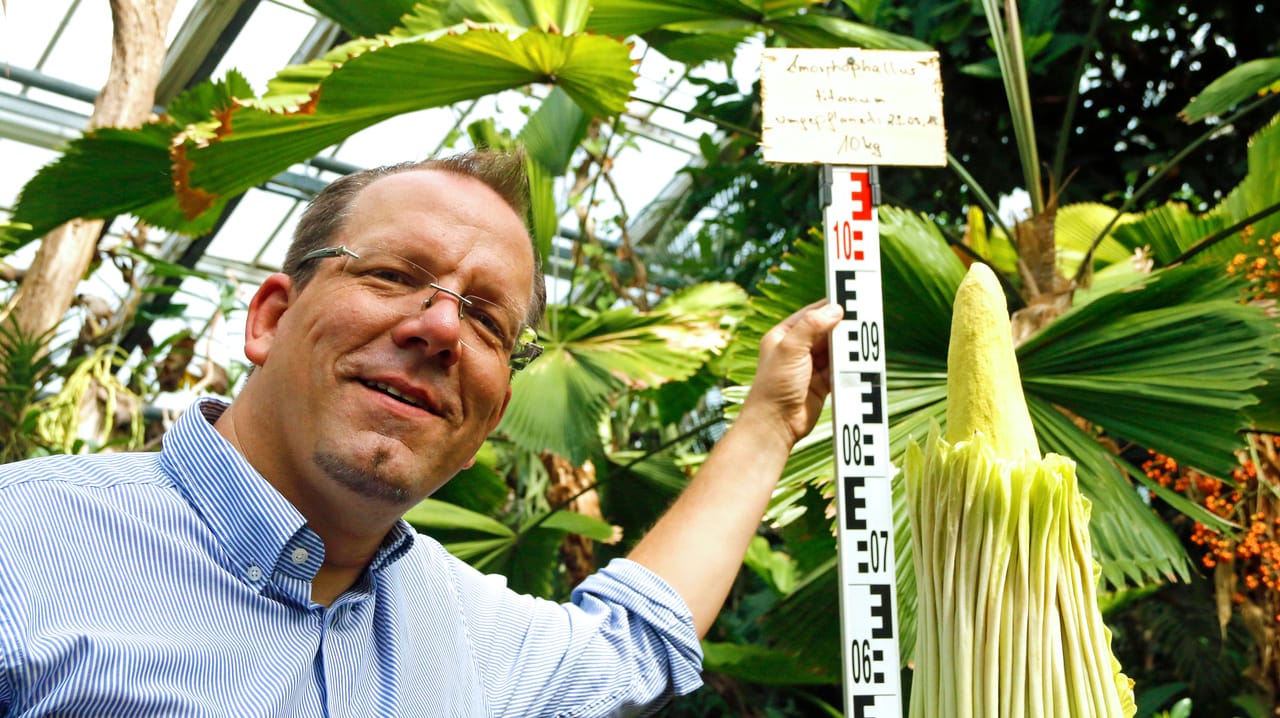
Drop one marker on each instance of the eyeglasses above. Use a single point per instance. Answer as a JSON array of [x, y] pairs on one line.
[[397, 282]]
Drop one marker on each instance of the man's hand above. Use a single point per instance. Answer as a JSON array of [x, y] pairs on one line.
[[699, 544], [793, 377]]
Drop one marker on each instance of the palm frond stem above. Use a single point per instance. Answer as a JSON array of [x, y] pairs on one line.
[[1007, 40], [980, 194], [966, 250], [744, 131], [1203, 244]]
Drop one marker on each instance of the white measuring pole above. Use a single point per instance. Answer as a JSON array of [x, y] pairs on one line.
[[853, 110], [868, 585]]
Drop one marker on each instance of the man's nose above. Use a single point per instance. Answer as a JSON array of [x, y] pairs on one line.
[[436, 326]]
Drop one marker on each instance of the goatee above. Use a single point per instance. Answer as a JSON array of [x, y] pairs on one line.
[[371, 481]]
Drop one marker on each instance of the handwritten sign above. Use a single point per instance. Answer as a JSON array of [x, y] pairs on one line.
[[852, 107]]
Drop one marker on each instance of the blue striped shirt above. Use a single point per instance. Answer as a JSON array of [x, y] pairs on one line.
[[178, 584]]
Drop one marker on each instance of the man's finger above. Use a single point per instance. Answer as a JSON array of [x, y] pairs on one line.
[[826, 315], [814, 322]]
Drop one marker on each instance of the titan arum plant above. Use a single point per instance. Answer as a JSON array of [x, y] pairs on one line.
[[1008, 622]]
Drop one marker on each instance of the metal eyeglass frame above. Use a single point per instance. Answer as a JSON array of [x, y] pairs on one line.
[[525, 350]]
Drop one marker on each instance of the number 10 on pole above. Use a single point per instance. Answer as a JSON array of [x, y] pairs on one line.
[[868, 587]]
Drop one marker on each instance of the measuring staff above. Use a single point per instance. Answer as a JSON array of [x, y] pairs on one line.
[[851, 111]]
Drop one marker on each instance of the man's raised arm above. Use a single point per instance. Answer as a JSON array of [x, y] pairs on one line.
[[698, 545]]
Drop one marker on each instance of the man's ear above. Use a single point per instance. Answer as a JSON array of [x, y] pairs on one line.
[[265, 311]]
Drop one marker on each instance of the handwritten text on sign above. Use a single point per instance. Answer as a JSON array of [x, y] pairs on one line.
[[852, 107]]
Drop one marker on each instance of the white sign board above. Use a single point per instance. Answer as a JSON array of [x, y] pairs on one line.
[[852, 107]]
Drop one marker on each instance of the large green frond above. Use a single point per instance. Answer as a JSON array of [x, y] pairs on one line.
[[796, 21], [554, 131], [1075, 226], [549, 139], [920, 273], [365, 18], [804, 622], [557, 404], [1265, 415], [817, 30], [1168, 231], [799, 281], [480, 487], [695, 48], [104, 173], [1258, 192], [1133, 543], [763, 665], [375, 17], [526, 557], [178, 181], [637, 487], [440, 516]]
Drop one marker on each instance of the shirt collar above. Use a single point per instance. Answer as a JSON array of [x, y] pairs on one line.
[[253, 522], [397, 543], [250, 519]]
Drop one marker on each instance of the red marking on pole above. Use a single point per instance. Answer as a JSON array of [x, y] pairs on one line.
[[862, 195]]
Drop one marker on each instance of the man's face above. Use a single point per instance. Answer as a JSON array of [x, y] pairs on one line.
[[381, 397]]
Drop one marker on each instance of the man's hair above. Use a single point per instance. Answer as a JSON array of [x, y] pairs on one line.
[[326, 215]]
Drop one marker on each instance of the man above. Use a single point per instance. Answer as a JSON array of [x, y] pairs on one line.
[[258, 564]]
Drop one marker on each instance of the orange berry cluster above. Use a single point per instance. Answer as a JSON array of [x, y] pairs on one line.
[[1250, 500], [1261, 265]]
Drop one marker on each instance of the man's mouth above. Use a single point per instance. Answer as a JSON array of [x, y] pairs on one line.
[[396, 394]]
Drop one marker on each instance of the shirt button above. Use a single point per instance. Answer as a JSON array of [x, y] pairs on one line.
[[253, 573], [299, 556]]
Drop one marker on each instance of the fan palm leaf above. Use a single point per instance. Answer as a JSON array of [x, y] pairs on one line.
[[590, 357], [176, 172], [525, 555], [1170, 231]]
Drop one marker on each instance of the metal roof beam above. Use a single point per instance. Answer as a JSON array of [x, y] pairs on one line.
[[201, 42], [35, 123]]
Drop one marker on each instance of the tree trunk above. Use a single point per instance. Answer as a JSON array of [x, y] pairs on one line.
[[1046, 292], [571, 488], [64, 255]]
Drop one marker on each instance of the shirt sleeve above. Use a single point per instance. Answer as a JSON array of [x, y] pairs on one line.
[[6, 692], [623, 646], [10, 625]]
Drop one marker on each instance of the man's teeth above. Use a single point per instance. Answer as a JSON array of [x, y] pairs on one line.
[[386, 389]]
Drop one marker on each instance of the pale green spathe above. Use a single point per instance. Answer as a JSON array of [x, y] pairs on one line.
[[1007, 611]]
